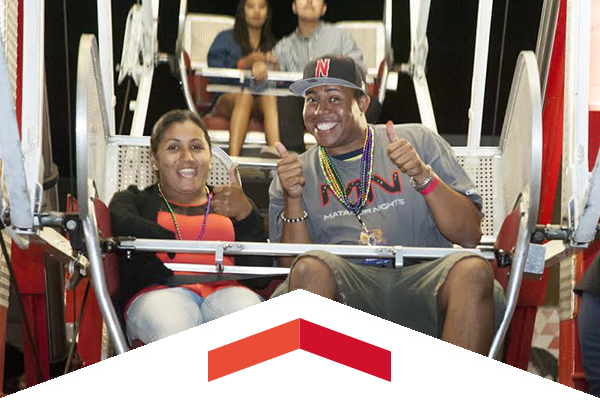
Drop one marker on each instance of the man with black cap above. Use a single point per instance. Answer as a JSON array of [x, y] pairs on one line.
[[311, 39], [376, 185]]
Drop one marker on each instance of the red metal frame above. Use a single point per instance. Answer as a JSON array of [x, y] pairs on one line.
[[570, 362], [533, 293], [29, 273]]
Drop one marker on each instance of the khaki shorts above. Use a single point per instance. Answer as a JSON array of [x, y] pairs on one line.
[[406, 296]]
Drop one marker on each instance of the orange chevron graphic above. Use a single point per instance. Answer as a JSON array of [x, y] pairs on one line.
[[299, 334]]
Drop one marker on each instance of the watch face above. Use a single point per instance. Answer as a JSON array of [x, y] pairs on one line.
[[419, 187]]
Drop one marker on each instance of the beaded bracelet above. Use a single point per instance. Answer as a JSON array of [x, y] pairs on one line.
[[294, 220]]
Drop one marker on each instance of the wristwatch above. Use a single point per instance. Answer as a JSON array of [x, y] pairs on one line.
[[419, 187]]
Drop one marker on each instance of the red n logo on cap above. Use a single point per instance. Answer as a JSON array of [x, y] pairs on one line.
[[322, 69]]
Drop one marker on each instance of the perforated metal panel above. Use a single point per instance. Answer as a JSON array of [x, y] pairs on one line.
[[199, 33], [97, 130], [92, 129], [521, 139], [370, 38], [134, 168], [483, 169]]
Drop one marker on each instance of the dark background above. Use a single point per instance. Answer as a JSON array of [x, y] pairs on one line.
[[451, 34]]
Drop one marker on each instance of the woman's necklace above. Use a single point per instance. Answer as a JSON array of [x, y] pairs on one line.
[[366, 172], [175, 219]]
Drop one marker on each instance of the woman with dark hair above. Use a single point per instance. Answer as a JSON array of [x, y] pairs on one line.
[[242, 47], [180, 206]]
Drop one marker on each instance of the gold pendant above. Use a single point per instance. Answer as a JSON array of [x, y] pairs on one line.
[[372, 237]]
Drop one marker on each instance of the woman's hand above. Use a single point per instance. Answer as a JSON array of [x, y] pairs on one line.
[[250, 59], [230, 200]]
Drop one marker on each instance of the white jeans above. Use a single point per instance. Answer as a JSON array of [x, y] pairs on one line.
[[160, 313]]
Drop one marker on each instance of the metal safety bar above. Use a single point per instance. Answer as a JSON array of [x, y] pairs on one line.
[[246, 74], [398, 253], [517, 270], [98, 279]]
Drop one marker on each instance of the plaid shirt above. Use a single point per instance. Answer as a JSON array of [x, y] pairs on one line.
[[293, 51]]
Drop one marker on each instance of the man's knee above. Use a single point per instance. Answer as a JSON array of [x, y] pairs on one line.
[[309, 266], [309, 269], [475, 273]]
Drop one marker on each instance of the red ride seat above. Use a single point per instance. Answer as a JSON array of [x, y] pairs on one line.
[[215, 122], [203, 101]]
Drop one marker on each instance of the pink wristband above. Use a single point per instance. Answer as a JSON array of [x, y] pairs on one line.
[[431, 187], [240, 64]]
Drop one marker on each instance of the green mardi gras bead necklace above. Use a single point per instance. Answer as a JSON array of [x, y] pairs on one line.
[[175, 219], [366, 172]]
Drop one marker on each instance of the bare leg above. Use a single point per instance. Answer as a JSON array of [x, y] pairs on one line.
[[468, 301], [268, 105], [312, 274], [225, 104], [238, 107], [238, 126]]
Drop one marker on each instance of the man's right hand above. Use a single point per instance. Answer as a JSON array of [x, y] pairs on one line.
[[260, 71], [289, 171]]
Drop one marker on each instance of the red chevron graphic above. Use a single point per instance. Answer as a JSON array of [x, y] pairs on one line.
[[299, 334]]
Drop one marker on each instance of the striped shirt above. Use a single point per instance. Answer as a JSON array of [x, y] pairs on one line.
[[294, 51]]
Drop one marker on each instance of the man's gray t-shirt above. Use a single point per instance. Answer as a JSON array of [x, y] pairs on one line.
[[394, 206], [293, 52]]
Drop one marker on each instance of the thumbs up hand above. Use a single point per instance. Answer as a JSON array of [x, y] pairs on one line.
[[233, 175], [230, 200], [403, 155], [289, 171]]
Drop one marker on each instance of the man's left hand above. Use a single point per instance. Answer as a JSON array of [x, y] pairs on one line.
[[403, 155], [230, 200]]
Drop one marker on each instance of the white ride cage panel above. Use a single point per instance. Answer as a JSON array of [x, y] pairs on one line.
[[9, 32], [9, 13], [575, 172], [522, 163], [480, 65], [130, 157], [32, 98], [141, 41], [91, 123], [128, 163], [199, 33], [26, 76], [370, 38], [105, 50]]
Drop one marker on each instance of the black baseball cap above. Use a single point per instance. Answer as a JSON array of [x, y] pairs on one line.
[[330, 69]]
